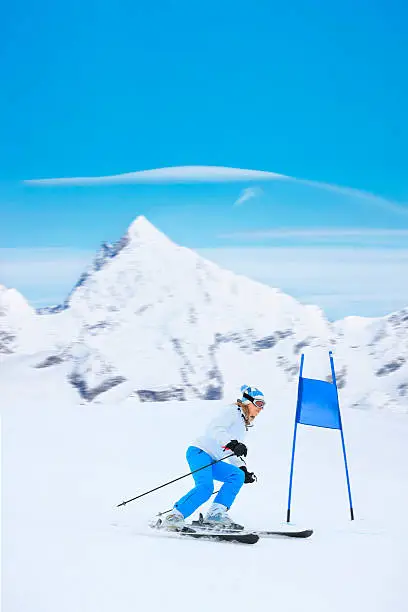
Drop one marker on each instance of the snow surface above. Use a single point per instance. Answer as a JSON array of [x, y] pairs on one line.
[[66, 547]]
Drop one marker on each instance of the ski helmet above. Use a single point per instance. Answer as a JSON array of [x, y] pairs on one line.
[[252, 395]]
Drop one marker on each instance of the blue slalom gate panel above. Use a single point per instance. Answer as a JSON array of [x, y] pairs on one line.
[[318, 404]]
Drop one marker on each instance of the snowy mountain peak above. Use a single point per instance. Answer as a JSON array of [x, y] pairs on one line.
[[13, 304], [142, 232], [154, 319], [16, 317]]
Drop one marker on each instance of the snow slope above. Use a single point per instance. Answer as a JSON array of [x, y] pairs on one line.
[[67, 547]]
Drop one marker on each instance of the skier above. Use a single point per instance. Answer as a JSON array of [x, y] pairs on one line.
[[223, 436]]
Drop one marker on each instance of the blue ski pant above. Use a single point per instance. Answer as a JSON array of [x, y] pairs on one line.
[[232, 477]]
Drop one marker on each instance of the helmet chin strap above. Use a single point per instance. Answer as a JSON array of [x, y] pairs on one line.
[[248, 419]]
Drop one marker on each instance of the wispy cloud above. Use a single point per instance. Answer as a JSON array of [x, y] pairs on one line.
[[362, 236], [214, 174], [177, 174], [384, 203], [248, 194]]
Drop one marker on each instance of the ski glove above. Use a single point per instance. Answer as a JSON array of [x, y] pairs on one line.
[[249, 476], [238, 448]]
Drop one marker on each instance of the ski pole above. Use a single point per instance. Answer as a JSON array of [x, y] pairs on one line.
[[175, 480], [166, 511]]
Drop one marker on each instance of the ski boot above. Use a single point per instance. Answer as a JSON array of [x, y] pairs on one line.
[[174, 521], [217, 518]]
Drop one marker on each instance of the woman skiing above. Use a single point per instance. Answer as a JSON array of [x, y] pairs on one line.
[[223, 436]]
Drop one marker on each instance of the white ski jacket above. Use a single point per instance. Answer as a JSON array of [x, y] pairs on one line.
[[228, 425]]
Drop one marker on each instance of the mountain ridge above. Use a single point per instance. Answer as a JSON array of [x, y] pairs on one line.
[[156, 320]]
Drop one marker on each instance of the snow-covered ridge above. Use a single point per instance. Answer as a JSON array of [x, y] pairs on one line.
[[152, 319]]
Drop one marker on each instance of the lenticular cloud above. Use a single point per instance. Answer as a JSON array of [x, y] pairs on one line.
[[178, 174], [214, 174]]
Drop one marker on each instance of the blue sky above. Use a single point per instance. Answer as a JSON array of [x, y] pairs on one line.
[[313, 90]]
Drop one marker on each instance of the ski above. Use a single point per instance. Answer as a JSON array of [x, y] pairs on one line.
[[236, 529], [218, 536], [303, 533], [242, 538], [203, 526]]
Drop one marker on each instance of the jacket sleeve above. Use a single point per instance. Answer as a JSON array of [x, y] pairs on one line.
[[220, 431]]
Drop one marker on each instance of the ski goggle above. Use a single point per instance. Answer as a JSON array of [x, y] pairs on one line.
[[260, 403]]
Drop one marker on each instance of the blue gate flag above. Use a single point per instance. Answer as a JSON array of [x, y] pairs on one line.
[[318, 405]]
